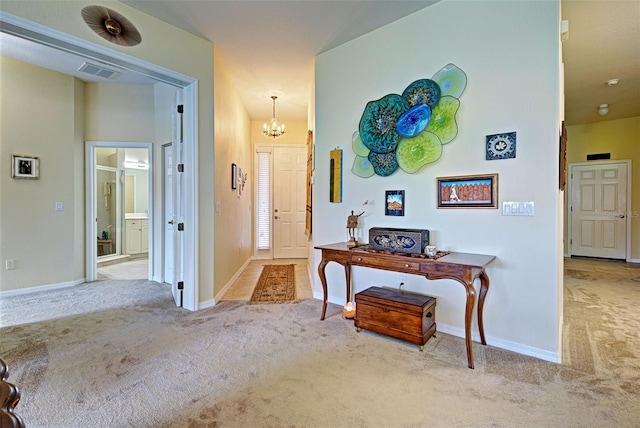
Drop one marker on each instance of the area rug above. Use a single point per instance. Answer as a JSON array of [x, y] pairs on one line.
[[277, 284]]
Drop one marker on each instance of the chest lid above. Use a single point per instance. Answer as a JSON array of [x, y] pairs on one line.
[[395, 298]]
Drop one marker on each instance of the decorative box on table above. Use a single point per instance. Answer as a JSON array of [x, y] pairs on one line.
[[403, 315], [398, 240]]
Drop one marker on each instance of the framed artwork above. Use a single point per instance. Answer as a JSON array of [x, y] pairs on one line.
[[563, 158], [468, 191], [335, 176], [25, 167], [394, 202], [234, 176], [501, 146], [239, 181]]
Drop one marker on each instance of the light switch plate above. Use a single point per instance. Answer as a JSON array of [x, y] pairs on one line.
[[518, 208]]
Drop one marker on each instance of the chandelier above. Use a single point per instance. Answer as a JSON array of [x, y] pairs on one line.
[[274, 130]]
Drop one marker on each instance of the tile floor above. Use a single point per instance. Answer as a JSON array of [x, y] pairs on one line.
[[241, 289]]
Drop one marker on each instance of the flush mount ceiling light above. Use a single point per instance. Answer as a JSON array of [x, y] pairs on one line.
[[603, 109], [613, 82], [274, 130], [111, 26]]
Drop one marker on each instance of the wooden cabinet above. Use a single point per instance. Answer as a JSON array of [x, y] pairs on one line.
[[137, 236]]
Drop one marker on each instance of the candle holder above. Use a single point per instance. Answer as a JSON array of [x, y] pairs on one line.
[[349, 310]]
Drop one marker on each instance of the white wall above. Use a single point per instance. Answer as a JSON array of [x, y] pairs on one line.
[[509, 52]]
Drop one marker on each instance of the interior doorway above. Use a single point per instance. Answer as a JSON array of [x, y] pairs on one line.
[[119, 195], [600, 199]]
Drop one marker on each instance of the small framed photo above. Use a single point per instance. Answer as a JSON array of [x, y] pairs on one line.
[[501, 146], [394, 202], [25, 167], [234, 176], [468, 191]]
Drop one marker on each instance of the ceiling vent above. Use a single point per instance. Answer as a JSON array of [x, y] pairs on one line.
[[96, 70]]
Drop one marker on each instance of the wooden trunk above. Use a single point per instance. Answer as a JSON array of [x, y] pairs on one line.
[[403, 315]]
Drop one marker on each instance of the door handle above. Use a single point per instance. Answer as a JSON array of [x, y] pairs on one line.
[[170, 222], [276, 217], [620, 216]]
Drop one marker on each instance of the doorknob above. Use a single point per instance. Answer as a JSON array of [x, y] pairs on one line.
[[276, 217]]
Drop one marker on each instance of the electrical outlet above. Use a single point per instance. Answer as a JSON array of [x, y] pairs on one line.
[[10, 264]]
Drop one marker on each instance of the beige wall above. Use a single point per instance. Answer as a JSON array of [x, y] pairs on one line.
[[621, 138], [296, 133], [232, 223], [122, 113], [40, 117]]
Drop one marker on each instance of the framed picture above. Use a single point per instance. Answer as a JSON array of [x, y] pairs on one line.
[[239, 181], [234, 176], [25, 167], [394, 202], [468, 191], [501, 146]]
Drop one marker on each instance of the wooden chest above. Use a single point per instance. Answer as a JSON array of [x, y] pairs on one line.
[[403, 315]]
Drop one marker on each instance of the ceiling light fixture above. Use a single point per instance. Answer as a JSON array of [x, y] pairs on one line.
[[603, 109], [274, 130], [613, 82]]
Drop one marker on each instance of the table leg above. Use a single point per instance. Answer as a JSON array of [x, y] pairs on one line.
[[323, 280], [347, 274], [471, 298], [484, 287]]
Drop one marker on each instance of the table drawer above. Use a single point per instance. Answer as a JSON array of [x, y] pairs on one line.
[[382, 263]]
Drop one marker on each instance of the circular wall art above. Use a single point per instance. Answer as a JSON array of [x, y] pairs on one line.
[[501, 146]]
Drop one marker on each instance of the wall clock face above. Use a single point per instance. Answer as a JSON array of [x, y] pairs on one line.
[[501, 146]]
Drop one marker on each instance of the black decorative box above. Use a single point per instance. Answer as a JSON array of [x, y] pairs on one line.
[[410, 241]]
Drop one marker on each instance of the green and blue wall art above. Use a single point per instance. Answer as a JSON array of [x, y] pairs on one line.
[[409, 131]]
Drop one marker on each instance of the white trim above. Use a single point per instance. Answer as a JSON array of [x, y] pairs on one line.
[[38, 33], [229, 283], [39, 288], [628, 258], [91, 273]]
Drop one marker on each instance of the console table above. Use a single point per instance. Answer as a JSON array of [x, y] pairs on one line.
[[461, 267]]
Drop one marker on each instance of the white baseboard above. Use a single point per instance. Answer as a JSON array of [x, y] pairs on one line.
[[39, 288], [497, 342], [218, 297]]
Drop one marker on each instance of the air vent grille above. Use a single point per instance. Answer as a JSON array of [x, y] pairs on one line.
[[97, 70]]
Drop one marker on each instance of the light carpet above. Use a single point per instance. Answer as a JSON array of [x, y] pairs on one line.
[[118, 354]]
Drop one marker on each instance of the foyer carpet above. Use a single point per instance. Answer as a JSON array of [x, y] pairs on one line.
[[119, 354], [277, 284]]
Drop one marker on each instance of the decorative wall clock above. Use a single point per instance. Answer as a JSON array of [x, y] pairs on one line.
[[501, 146]]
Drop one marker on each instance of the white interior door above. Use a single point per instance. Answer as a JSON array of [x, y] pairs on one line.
[[289, 202], [598, 210], [169, 223], [178, 182]]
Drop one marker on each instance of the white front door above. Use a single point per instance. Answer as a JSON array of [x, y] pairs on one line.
[[598, 210], [167, 153], [289, 202]]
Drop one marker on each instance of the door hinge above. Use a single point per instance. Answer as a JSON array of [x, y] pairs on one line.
[[180, 167], [180, 108], [181, 227], [570, 241], [180, 285]]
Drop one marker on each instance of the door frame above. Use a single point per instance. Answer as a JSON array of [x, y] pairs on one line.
[[265, 148], [570, 183], [91, 196], [41, 34]]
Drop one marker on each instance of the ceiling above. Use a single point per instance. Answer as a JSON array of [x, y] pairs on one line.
[[269, 48]]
